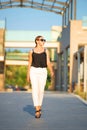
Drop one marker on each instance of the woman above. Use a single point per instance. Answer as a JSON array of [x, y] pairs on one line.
[[39, 60]]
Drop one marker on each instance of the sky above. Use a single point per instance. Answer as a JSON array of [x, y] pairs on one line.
[[32, 19]]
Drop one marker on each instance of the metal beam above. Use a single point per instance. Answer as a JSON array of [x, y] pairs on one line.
[[29, 44], [58, 2], [65, 8], [45, 5], [16, 62]]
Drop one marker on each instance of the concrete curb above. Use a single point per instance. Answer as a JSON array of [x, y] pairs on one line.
[[81, 99]]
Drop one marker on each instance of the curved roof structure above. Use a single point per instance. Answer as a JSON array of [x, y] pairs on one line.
[[65, 8], [55, 6]]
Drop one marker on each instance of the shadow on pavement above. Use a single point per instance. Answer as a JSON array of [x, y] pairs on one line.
[[29, 109]]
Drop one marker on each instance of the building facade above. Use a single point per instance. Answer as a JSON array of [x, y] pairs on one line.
[[72, 58]]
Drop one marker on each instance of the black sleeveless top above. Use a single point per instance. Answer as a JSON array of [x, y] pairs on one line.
[[39, 59]]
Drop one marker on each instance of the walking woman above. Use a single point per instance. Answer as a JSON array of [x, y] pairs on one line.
[[39, 60]]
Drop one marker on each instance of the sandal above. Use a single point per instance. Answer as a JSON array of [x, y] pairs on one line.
[[37, 114], [40, 112]]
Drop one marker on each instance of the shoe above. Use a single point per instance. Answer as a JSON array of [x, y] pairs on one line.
[[37, 114]]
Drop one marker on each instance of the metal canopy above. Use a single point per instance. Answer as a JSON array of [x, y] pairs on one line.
[[55, 6], [65, 8]]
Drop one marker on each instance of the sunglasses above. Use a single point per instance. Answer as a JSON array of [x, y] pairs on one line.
[[42, 40]]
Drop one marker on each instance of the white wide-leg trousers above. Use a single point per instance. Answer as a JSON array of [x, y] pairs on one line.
[[38, 78]]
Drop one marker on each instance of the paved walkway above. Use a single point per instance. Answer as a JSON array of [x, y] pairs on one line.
[[61, 111]]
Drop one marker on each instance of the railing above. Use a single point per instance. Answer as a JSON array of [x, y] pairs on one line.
[[17, 56]]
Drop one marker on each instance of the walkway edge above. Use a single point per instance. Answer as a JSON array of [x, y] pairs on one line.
[[85, 102]]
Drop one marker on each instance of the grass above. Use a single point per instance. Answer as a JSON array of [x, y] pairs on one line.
[[83, 95]]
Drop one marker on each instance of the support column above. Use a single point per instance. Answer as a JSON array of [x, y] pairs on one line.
[[53, 58], [74, 9], [78, 55], [85, 69], [2, 61], [65, 70], [58, 85]]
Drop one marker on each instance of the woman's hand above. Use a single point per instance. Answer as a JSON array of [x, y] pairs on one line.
[[52, 74], [28, 78]]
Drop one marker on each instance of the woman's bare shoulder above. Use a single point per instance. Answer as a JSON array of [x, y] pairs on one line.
[[47, 51], [31, 51]]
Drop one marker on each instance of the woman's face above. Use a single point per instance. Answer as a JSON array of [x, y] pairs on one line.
[[41, 41]]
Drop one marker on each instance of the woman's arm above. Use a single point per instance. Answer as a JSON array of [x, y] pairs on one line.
[[29, 65], [49, 64]]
